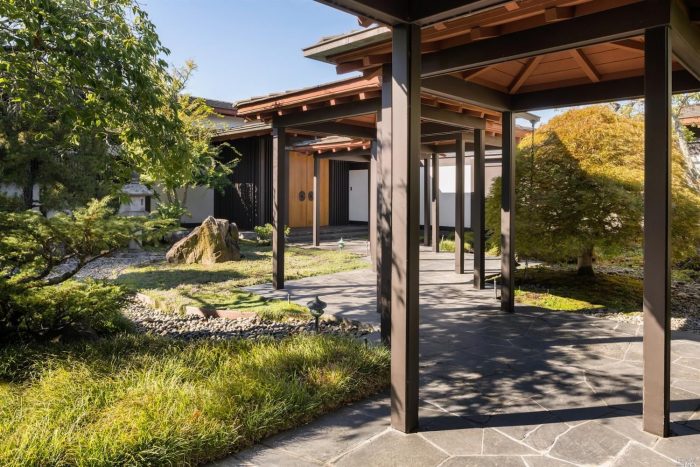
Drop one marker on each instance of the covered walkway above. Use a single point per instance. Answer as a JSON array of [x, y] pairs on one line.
[[529, 388]]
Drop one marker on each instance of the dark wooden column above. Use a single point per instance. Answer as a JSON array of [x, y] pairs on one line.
[[478, 214], [405, 209], [508, 214], [657, 230], [459, 203], [279, 204], [373, 194], [426, 202], [317, 202], [435, 202], [384, 208]]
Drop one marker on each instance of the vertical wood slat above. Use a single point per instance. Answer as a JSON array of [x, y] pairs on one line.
[[405, 221], [478, 213], [657, 230], [316, 216], [435, 202], [508, 214], [459, 203], [384, 268], [279, 204], [426, 202]]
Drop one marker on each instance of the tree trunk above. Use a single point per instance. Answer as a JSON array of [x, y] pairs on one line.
[[585, 262]]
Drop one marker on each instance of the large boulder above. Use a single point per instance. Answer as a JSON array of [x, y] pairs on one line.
[[215, 241]]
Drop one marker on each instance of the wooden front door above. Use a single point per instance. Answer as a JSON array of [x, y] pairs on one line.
[[301, 181]]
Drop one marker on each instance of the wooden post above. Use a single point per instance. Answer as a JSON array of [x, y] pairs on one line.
[[384, 208], [435, 203], [317, 202], [459, 203], [657, 230], [405, 151], [508, 213], [372, 176], [478, 213], [279, 204], [426, 202]]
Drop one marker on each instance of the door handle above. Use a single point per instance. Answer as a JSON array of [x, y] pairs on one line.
[[302, 196], [310, 196]]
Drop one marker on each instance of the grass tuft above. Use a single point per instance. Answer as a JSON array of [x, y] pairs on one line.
[[149, 400]]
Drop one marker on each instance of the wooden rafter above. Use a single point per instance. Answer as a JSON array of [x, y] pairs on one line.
[[585, 65], [469, 75], [524, 74]]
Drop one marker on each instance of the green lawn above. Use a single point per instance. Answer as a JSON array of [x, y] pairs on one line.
[[563, 289], [140, 400], [219, 286]]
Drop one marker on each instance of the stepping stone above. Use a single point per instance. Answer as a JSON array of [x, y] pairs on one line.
[[638, 456], [498, 443], [485, 461]]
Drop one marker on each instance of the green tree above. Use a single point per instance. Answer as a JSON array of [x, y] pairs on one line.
[[188, 159], [39, 256], [77, 80], [579, 188]]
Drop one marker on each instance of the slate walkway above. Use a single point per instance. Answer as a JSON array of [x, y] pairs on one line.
[[530, 389]]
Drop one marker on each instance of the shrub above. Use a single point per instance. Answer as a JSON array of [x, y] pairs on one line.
[[71, 307], [447, 244], [264, 233]]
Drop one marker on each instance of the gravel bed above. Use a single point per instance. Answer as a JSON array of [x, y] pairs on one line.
[[149, 320], [111, 266]]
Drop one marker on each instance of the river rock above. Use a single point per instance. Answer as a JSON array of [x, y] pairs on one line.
[[215, 241]]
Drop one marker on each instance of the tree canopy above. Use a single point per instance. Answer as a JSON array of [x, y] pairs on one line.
[[77, 80], [579, 187]]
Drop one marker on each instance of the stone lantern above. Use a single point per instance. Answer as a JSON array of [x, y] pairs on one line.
[[137, 194]]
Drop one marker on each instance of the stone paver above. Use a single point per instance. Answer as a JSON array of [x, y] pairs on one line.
[[533, 388]]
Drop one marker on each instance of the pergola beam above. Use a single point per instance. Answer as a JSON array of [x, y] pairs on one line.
[[354, 155], [605, 91], [339, 129], [450, 87], [327, 114], [606, 26], [436, 115]]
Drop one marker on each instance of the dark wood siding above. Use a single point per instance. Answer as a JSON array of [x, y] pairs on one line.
[[246, 201], [339, 192]]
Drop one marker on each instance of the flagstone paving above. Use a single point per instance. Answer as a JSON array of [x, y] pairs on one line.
[[533, 388]]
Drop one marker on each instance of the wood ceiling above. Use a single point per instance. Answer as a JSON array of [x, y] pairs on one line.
[[595, 63]]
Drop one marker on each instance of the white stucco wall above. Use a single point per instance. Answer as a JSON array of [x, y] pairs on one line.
[[200, 204], [359, 208]]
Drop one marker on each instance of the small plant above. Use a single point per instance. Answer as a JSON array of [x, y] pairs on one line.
[[264, 233]]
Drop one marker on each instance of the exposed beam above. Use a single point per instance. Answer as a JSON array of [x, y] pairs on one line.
[[450, 87], [685, 39], [605, 91], [432, 128], [429, 12], [558, 13], [585, 65], [606, 26], [328, 114], [524, 74], [357, 155], [434, 114], [657, 233], [338, 129]]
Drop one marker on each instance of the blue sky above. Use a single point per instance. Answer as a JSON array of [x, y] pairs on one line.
[[246, 48]]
